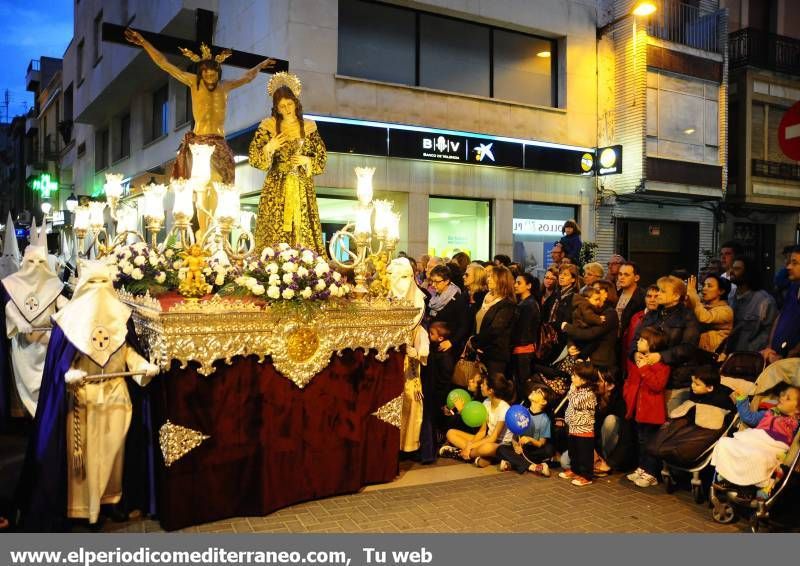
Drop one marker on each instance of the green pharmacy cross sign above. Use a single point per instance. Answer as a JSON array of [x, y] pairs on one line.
[[44, 185]]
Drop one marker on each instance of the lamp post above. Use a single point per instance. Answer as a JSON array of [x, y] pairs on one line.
[[642, 9]]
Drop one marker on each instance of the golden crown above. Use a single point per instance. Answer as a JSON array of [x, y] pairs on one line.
[[205, 54], [285, 79]]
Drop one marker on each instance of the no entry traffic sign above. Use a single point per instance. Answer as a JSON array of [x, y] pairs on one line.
[[789, 133]]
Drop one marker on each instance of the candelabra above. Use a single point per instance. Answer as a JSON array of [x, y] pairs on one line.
[[375, 222], [190, 195]]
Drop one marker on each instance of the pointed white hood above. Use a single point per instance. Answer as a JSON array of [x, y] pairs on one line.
[[402, 285], [95, 320], [34, 287], [9, 262]]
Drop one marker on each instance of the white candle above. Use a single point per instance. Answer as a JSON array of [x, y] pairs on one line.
[[183, 198], [113, 186], [363, 220], [383, 211], [364, 186], [96, 217], [154, 200], [81, 221], [393, 232], [227, 201]]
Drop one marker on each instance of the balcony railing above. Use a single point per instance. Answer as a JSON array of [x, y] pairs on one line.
[[776, 170], [750, 46], [684, 24]]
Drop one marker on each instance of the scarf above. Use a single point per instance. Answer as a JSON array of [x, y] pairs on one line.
[[439, 301]]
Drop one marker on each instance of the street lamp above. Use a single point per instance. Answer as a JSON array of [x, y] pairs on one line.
[[642, 9], [46, 208]]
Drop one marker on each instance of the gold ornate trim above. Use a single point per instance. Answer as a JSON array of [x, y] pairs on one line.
[[176, 441], [391, 412], [300, 344]]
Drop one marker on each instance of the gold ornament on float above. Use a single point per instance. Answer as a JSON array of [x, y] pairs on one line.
[[283, 78], [176, 441], [205, 54], [302, 343]]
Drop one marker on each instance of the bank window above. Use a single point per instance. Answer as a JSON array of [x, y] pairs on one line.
[[459, 225], [405, 46], [536, 227], [682, 118]]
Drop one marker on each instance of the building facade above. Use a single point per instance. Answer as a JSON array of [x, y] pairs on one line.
[[763, 198]]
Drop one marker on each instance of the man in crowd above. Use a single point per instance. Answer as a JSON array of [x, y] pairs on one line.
[[754, 309], [614, 263], [501, 260], [557, 253], [785, 338], [728, 251], [631, 296]]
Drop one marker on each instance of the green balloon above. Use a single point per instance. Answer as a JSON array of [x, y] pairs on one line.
[[474, 414], [457, 394]]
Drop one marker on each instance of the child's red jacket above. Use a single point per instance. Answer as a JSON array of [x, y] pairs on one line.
[[644, 393]]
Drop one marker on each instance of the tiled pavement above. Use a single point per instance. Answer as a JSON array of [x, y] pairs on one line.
[[479, 501]]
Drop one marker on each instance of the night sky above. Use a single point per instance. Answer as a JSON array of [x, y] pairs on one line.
[[29, 30]]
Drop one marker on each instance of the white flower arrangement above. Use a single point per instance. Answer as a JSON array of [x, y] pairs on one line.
[[284, 273]]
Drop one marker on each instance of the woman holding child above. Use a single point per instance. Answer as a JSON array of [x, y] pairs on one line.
[[712, 311], [494, 321]]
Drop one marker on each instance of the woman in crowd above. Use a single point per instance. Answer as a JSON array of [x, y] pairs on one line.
[[526, 330], [561, 308], [713, 313], [447, 305], [494, 321], [476, 289], [549, 288]]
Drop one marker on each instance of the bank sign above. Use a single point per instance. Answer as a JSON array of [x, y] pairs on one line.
[[454, 148], [350, 135]]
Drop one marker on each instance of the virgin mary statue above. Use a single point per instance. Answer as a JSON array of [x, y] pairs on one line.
[[290, 150]]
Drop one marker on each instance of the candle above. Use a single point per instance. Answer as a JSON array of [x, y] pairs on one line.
[[154, 201], [96, 215], [183, 198], [364, 186], [227, 202]]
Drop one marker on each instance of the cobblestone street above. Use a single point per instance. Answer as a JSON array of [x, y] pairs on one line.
[[452, 497]]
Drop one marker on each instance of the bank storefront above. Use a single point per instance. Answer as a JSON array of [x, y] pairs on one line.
[[455, 191]]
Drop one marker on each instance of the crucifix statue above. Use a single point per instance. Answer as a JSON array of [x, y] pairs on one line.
[[209, 95]]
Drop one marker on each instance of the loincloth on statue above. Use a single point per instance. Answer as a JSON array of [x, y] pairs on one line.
[[221, 160]]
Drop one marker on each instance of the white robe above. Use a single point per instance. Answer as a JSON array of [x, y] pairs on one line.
[[104, 415], [28, 351]]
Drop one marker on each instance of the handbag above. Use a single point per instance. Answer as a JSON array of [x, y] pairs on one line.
[[464, 369]]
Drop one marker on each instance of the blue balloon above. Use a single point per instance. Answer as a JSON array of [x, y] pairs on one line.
[[518, 418]]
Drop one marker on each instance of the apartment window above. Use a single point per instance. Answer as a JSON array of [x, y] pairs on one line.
[[79, 70], [682, 118], [400, 45], [101, 149], [98, 38], [122, 138], [183, 105], [158, 123]]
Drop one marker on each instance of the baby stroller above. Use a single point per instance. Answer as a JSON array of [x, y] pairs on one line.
[[692, 445], [728, 499]]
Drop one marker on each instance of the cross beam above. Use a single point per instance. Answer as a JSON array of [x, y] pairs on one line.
[[168, 44]]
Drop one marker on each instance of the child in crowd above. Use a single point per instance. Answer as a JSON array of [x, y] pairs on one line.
[[579, 417], [531, 449], [481, 447], [438, 333], [697, 423], [453, 416], [586, 308], [571, 241], [752, 455], [644, 398]]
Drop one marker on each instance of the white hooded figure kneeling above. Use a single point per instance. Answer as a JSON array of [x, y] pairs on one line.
[[30, 297], [403, 286], [81, 412]]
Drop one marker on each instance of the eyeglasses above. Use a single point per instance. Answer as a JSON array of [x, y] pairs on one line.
[[437, 281]]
